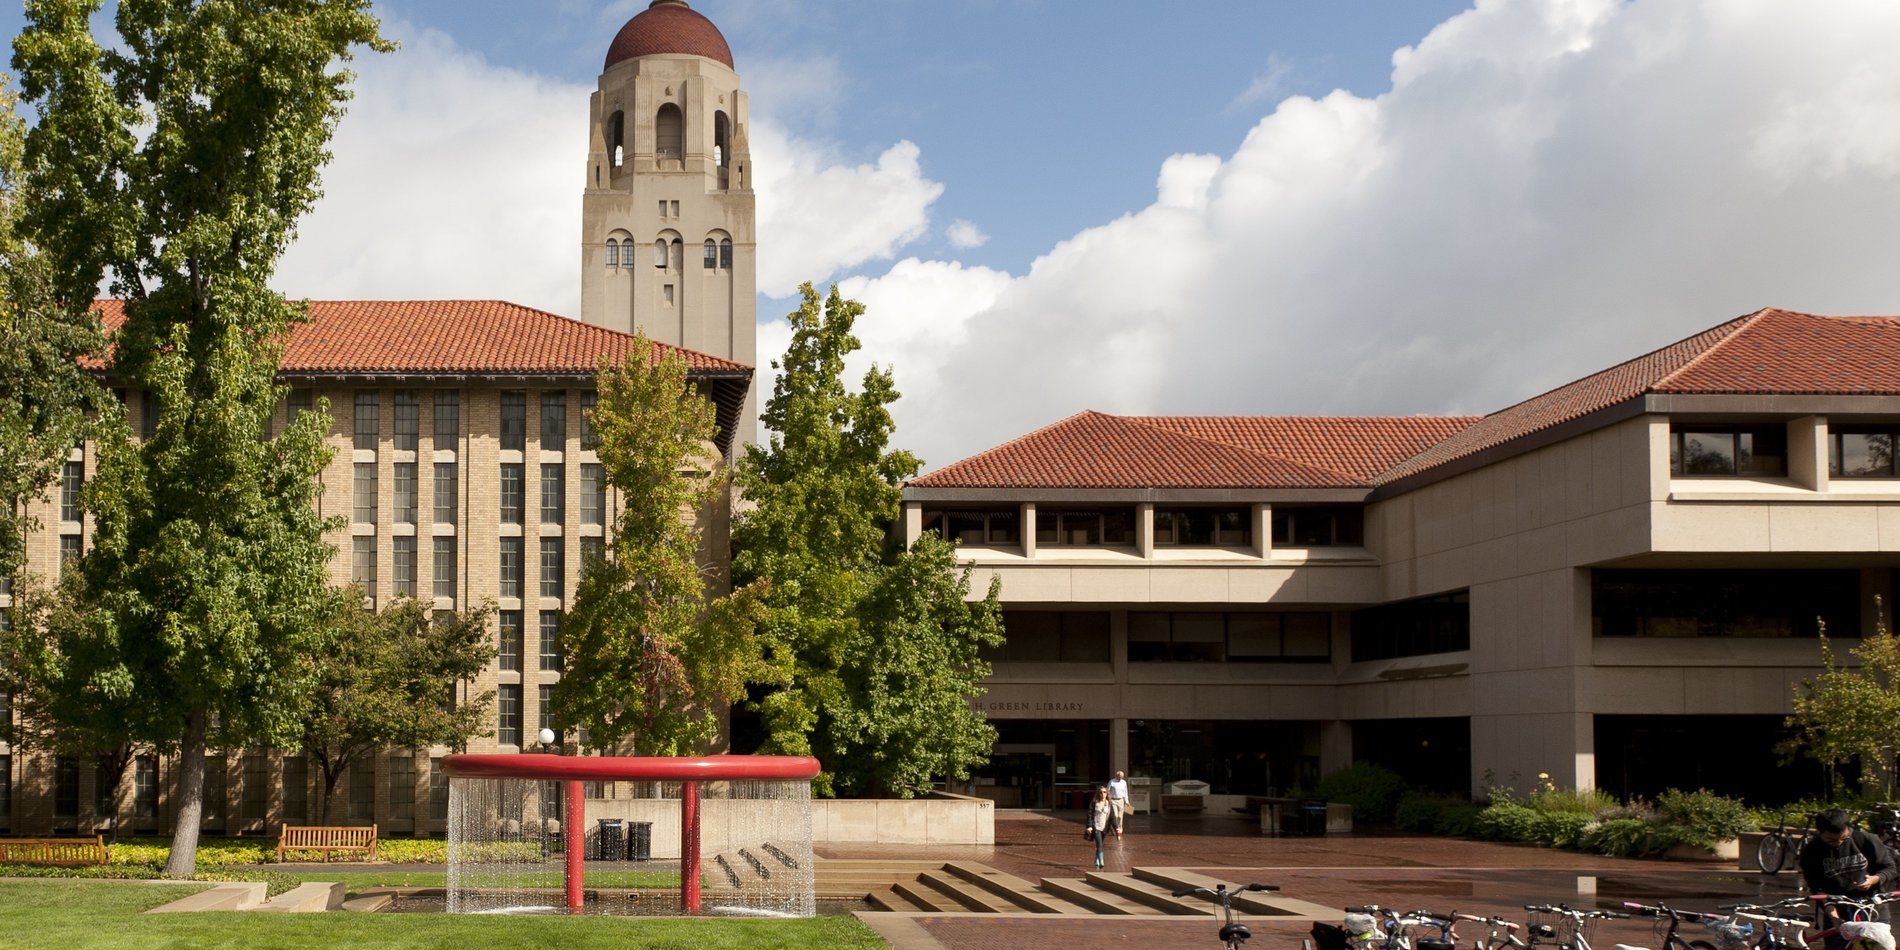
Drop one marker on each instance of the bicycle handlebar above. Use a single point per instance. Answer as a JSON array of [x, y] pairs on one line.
[[1493, 921], [1223, 889]]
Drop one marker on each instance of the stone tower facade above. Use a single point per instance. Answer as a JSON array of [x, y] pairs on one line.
[[668, 221]]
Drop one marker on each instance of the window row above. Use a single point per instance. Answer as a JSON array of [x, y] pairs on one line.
[[670, 252], [1761, 450], [404, 507], [1293, 526], [447, 414], [1250, 637], [513, 641], [1724, 603], [403, 582], [1440, 624], [509, 717]]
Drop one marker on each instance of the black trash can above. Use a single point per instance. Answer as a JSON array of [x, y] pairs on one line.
[[611, 843], [639, 840], [1314, 817]]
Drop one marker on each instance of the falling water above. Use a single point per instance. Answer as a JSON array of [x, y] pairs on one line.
[[499, 856]]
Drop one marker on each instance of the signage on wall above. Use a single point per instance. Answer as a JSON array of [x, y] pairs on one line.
[[992, 708]]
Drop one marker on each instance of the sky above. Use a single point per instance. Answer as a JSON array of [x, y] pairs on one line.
[[1235, 207]]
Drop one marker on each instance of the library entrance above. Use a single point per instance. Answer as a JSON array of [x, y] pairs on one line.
[[1041, 763]]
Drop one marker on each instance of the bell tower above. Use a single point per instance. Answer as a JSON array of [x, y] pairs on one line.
[[668, 239]]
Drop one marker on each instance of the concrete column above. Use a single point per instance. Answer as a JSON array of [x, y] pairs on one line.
[[1117, 745], [1658, 458], [1263, 530], [913, 522], [1335, 746], [1145, 530], [1118, 646], [1808, 452], [1029, 529]]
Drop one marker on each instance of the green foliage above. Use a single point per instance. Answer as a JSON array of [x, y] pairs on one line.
[[1622, 838], [179, 163], [383, 683], [1562, 829], [1590, 802], [1847, 711], [1435, 814], [874, 652], [1700, 818], [652, 665], [1507, 821], [1373, 791], [413, 850]]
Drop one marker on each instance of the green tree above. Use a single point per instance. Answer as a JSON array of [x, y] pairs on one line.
[[1847, 712], [876, 647], [651, 663], [178, 165], [384, 685]]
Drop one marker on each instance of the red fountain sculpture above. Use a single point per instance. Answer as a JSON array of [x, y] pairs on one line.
[[689, 771]]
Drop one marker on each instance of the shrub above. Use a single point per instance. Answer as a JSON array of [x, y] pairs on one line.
[[1700, 818], [413, 850], [1435, 814], [1564, 829], [1620, 838], [1373, 791], [1573, 801], [1507, 821]]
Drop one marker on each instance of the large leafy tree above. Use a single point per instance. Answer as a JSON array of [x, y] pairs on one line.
[[653, 664], [877, 646], [177, 166], [1846, 713], [383, 684]]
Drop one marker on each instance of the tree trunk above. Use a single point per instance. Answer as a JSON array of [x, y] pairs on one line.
[[183, 862], [332, 772]]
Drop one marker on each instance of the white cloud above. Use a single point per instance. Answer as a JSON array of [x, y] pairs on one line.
[[819, 217], [1550, 187], [1265, 87], [965, 235]]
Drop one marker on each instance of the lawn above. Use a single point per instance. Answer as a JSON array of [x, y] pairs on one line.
[[74, 915]]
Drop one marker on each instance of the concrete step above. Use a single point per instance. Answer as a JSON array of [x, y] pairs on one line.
[[888, 899], [235, 895], [369, 903], [1013, 889], [971, 896], [1096, 899], [1149, 893], [927, 897], [314, 897], [1257, 903]]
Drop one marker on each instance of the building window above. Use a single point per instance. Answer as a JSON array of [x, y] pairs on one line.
[[669, 133], [613, 252], [254, 798], [364, 510], [145, 788], [546, 709], [553, 494], [363, 791], [508, 716], [445, 493], [554, 421], [1319, 527], [974, 526], [592, 549], [1861, 452], [589, 438], [366, 421], [72, 475], [553, 567], [300, 401], [402, 787], [1052, 636], [444, 567], [1440, 624], [593, 493], [71, 548], [403, 572], [408, 420], [666, 294], [363, 563], [511, 636], [1079, 527], [214, 793], [550, 641], [438, 791], [514, 422], [1249, 637], [105, 787], [6, 793], [405, 498], [725, 254], [1724, 603], [1743, 451], [65, 789], [448, 418], [510, 567], [712, 254], [296, 778], [148, 419], [1203, 527], [512, 475]]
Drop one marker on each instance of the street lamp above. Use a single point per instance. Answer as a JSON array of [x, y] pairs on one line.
[[548, 742]]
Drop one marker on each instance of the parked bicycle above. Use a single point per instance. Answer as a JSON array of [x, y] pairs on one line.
[[1779, 850], [1672, 938], [1855, 920], [1502, 934], [1573, 926], [1232, 935], [1883, 822], [1774, 926]]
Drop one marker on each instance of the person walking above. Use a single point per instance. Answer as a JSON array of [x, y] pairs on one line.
[[1118, 799], [1097, 830]]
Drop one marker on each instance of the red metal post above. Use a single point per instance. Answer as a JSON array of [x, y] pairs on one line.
[[689, 847], [574, 839]]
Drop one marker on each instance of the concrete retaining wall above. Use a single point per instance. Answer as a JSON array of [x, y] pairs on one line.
[[941, 818]]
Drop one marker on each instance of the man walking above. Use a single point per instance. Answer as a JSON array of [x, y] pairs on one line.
[[1118, 800]]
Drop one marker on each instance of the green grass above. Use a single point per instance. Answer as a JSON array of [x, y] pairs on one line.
[[76, 915]]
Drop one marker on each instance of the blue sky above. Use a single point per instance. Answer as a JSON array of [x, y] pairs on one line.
[[1217, 207]]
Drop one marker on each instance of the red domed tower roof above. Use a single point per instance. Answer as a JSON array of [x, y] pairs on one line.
[[668, 26]]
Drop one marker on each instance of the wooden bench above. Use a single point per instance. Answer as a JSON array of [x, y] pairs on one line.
[[1182, 804], [327, 839], [63, 852]]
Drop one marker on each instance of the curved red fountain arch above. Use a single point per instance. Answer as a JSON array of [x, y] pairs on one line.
[[687, 770]]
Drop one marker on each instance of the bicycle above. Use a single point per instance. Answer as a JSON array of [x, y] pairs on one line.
[[1883, 822], [1572, 930], [1232, 935], [1372, 927], [1503, 934], [1672, 938], [1778, 850], [1778, 930]]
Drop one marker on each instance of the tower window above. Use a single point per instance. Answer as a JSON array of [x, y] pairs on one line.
[[617, 138], [712, 254], [667, 292], [722, 133], [613, 253], [725, 254], [659, 253], [669, 130]]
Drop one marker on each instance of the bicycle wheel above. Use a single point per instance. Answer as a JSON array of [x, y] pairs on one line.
[[1701, 945], [1773, 851]]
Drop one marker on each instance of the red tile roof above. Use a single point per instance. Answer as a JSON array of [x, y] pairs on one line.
[[668, 26], [451, 337], [1094, 450]]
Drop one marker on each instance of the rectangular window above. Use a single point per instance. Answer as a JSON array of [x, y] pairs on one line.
[[65, 789], [367, 421], [553, 494], [445, 493], [215, 786], [1240, 637], [593, 493], [301, 400], [72, 475], [6, 793], [511, 636], [546, 707], [1319, 527], [405, 495], [1751, 451], [148, 418], [510, 567], [1427, 625], [448, 418], [553, 567], [438, 791], [1861, 452], [551, 641], [508, 716], [590, 439], [363, 791], [592, 549], [402, 786], [973, 526], [105, 786], [554, 421], [403, 572], [514, 422], [1051, 636], [1737, 603], [408, 420], [145, 787], [364, 510], [296, 779], [725, 255], [443, 556], [254, 800], [363, 563], [71, 548], [512, 475], [1204, 527], [1085, 527]]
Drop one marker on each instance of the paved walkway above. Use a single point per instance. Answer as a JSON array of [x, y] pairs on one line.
[[1395, 871]]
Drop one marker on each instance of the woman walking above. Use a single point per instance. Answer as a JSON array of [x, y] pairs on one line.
[[1099, 810]]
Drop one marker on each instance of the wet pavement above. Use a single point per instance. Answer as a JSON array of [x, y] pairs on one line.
[[1407, 872]]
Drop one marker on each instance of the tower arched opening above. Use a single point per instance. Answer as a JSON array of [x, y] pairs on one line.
[[669, 133]]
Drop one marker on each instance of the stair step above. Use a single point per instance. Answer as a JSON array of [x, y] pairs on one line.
[[971, 896], [1257, 903], [927, 897], [1082, 892], [1150, 894], [888, 899], [1014, 889]]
